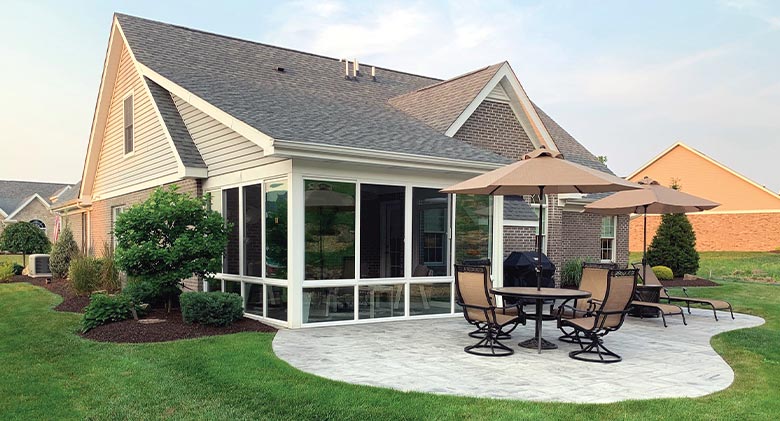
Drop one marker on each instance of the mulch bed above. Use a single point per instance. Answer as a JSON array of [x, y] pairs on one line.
[[159, 326], [155, 326], [697, 282], [71, 301]]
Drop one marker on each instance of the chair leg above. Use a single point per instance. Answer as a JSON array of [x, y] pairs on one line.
[[490, 342], [682, 313], [715, 312], [663, 317], [732, 312], [596, 347]]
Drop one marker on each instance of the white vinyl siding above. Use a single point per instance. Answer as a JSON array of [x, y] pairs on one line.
[[222, 148], [152, 156]]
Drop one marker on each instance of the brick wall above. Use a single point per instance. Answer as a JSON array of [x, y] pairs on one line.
[[720, 232], [583, 237], [101, 216], [519, 239], [494, 126], [35, 210], [74, 221]]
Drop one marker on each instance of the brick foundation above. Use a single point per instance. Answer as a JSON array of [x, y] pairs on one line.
[[720, 232]]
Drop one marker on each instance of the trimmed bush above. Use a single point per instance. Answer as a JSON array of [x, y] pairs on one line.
[[571, 273], [64, 250], [211, 308], [6, 271], [18, 269], [104, 308], [84, 274], [674, 245], [663, 273], [147, 292], [24, 238]]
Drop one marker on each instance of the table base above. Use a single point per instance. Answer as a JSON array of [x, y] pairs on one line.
[[534, 344]]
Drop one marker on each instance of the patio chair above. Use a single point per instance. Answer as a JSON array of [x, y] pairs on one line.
[[651, 279], [513, 309], [662, 309], [606, 316], [472, 285], [594, 280]]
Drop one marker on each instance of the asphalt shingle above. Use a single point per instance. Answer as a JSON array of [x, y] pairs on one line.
[[14, 193]]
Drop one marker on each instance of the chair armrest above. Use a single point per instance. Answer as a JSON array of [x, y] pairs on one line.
[[685, 291]]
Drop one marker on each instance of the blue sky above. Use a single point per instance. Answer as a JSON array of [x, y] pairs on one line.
[[626, 78]]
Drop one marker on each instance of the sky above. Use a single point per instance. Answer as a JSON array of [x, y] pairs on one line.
[[626, 78]]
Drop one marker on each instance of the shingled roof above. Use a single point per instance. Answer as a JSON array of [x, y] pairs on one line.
[[310, 101], [14, 193], [440, 104]]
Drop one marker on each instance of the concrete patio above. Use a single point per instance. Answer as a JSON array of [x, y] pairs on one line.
[[427, 356]]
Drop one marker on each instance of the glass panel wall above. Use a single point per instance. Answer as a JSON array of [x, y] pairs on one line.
[[212, 285], [253, 230], [377, 301], [472, 228], [328, 304], [253, 299], [330, 230], [276, 229], [233, 286], [230, 211], [430, 298], [381, 231], [276, 302], [430, 239]]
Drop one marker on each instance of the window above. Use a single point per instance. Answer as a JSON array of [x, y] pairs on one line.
[[381, 231], [39, 224], [253, 230], [115, 212], [127, 107], [230, 211], [608, 238], [472, 228], [276, 229], [330, 230], [430, 235]]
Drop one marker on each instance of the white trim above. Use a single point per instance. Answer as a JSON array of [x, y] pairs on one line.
[[10, 217], [613, 258], [520, 223], [518, 100], [130, 94], [2, 213], [706, 158]]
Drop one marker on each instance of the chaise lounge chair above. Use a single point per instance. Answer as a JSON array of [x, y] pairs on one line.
[[651, 279], [472, 284], [607, 316]]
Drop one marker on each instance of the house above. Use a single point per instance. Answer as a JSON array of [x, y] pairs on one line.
[[30, 201], [329, 171], [748, 218]]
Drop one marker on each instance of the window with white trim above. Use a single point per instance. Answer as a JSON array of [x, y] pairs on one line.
[[115, 212], [39, 224], [127, 107], [608, 224]]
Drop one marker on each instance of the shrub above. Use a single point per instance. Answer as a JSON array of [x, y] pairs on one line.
[[571, 273], [146, 292], [24, 238], [663, 273], [64, 250], [84, 274], [109, 275], [6, 271], [168, 238], [18, 269], [211, 308], [674, 245], [104, 308]]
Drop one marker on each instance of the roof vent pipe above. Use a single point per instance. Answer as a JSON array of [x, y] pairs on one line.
[[356, 68], [346, 68], [373, 73]]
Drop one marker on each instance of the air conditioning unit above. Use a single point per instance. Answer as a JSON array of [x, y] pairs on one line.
[[38, 266]]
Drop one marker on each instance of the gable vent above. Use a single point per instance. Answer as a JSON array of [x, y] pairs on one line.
[[498, 94]]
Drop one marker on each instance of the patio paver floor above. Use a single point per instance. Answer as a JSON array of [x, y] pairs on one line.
[[427, 356]]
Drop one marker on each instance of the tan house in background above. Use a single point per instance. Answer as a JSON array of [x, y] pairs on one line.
[[748, 218], [30, 201]]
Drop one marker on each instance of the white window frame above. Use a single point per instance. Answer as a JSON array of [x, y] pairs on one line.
[[43, 228], [115, 212], [612, 258], [131, 96]]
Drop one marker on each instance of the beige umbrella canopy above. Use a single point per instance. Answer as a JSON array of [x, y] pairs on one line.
[[539, 172], [652, 198]]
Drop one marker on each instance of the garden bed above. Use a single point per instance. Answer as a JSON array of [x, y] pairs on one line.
[[71, 302], [159, 326]]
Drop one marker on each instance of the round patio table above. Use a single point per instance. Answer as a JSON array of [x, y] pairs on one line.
[[539, 295]]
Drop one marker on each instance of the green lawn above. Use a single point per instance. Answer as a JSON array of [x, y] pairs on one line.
[[12, 258], [735, 265], [50, 372]]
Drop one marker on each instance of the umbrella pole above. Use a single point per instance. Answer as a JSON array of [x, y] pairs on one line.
[[539, 241], [644, 247]]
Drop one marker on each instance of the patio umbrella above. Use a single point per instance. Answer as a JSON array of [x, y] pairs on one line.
[[324, 197], [540, 171], [652, 198]]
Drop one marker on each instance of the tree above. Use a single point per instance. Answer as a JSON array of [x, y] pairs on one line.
[[24, 238], [64, 250], [168, 238], [674, 245]]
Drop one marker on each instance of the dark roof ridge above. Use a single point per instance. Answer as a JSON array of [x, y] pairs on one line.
[[269, 45], [452, 79], [36, 182]]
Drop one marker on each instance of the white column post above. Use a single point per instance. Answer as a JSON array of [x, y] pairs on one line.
[[497, 257], [296, 246]]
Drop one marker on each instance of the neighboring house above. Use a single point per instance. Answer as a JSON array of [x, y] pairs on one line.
[[30, 201], [330, 176], [748, 218]]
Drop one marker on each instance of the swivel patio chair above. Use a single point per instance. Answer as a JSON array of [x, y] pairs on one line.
[[606, 316], [651, 279], [513, 309], [594, 280], [472, 285]]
